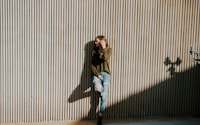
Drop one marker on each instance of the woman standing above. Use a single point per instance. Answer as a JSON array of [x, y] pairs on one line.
[[100, 69]]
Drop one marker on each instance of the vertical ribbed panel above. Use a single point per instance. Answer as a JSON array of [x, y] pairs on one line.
[[45, 51]]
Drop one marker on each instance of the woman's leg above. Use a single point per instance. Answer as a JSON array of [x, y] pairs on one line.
[[98, 87], [104, 94]]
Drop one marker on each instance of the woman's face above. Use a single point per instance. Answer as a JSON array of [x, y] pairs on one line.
[[97, 42]]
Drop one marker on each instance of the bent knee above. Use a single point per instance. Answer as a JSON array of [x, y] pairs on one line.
[[98, 88]]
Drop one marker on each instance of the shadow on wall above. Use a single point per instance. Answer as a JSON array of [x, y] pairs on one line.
[[177, 96], [80, 91], [172, 69]]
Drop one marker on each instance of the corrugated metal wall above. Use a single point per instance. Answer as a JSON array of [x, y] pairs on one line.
[[45, 52]]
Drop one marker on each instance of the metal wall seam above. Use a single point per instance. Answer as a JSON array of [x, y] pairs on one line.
[[1, 58]]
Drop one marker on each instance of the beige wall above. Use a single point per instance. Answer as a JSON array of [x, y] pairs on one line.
[[45, 52]]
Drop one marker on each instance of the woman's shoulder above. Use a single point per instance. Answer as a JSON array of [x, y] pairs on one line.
[[109, 49]]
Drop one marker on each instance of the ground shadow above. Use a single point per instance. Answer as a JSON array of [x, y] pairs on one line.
[[80, 91], [177, 96]]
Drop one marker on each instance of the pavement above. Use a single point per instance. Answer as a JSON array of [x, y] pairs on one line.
[[142, 121], [161, 121], [158, 123]]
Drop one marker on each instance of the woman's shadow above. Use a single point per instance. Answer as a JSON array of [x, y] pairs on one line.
[[81, 91]]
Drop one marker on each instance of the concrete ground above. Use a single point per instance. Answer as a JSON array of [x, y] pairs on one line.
[[156, 121], [142, 121]]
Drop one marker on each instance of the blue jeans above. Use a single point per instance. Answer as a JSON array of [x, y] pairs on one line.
[[102, 87]]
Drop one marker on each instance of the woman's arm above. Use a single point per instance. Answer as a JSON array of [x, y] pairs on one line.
[[94, 70], [106, 54]]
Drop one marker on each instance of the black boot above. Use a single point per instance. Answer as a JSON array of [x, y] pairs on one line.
[[99, 122]]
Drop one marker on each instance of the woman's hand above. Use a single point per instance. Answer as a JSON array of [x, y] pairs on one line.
[[103, 44], [100, 77]]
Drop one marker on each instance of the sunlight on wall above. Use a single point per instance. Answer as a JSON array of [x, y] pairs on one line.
[[45, 55]]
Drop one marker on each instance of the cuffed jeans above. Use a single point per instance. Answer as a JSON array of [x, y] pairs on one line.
[[102, 87]]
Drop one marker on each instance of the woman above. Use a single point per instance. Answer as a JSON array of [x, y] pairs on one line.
[[100, 69]]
